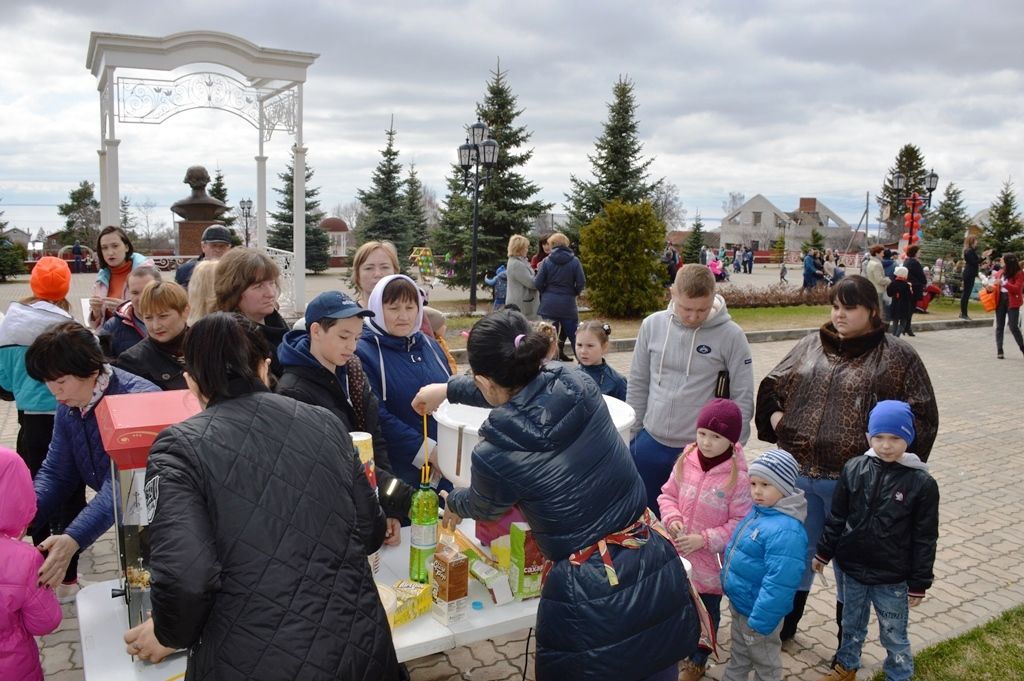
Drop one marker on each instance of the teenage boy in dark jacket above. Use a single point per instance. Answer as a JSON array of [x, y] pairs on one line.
[[882, 532], [320, 367]]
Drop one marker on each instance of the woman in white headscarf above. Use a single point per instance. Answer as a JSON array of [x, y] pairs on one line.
[[398, 360]]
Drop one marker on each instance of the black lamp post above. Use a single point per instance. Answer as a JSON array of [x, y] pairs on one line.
[[245, 205], [478, 149], [912, 218]]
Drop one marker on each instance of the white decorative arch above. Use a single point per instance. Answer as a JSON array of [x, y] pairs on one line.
[[268, 96]]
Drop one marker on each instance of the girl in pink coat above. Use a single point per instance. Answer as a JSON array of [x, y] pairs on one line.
[[705, 497], [26, 609]]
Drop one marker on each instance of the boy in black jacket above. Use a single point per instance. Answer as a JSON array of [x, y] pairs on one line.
[[902, 295], [320, 367], [882, 531]]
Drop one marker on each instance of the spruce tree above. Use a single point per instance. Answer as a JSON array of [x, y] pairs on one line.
[[219, 191], [280, 236], [910, 162], [944, 231], [779, 248], [1003, 233], [126, 218], [415, 216], [817, 241], [623, 278], [617, 165], [385, 218], [694, 242], [507, 203], [83, 215]]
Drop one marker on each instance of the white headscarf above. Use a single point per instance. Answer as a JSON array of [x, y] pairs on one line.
[[375, 304]]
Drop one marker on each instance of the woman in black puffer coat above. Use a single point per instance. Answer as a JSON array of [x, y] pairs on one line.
[[549, 446], [262, 521]]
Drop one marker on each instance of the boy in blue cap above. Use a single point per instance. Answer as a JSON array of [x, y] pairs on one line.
[[882, 531]]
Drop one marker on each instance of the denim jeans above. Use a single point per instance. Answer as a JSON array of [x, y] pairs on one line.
[[654, 462], [892, 609], [819, 505], [1007, 316], [713, 604]]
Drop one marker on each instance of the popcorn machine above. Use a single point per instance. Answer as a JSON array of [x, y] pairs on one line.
[[128, 426]]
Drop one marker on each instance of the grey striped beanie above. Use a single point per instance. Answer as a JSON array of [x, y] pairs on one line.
[[778, 467]]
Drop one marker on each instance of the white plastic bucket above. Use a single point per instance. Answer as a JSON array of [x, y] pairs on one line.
[[458, 427]]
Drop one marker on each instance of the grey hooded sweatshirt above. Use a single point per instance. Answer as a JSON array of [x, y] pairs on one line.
[[675, 369]]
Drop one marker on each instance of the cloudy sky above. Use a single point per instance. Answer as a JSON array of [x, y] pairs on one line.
[[785, 98]]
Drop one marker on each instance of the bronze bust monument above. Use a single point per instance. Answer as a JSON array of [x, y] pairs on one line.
[[199, 206]]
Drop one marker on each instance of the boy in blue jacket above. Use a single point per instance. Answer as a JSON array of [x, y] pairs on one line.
[[763, 564], [882, 531]]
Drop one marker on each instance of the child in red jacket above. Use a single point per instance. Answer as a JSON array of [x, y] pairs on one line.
[[30, 609]]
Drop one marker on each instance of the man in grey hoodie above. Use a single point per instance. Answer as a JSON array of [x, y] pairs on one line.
[[681, 355]]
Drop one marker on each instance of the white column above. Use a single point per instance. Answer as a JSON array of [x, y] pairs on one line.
[[299, 226], [102, 153], [111, 203], [261, 201]]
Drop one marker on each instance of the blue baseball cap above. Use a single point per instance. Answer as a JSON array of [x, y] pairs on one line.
[[333, 305]]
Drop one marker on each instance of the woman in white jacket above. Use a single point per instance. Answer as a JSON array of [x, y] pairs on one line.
[[875, 273], [521, 289]]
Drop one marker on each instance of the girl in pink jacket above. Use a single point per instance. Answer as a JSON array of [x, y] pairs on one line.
[[705, 497], [26, 609]]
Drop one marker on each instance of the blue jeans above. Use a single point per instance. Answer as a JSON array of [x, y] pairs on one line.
[[654, 462], [713, 604], [819, 505], [892, 609]]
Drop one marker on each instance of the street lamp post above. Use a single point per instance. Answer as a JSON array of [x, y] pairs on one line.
[[915, 202], [478, 149], [245, 205]]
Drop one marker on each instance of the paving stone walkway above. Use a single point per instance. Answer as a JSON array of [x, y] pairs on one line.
[[980, 564]]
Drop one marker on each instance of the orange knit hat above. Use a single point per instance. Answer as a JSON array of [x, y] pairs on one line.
[[51, 278]]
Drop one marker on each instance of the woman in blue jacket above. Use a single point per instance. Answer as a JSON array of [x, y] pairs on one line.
[[67, 358], [616, 602], [560, 280], [398, 360]]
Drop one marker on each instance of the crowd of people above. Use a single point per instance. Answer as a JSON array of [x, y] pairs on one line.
[[849, 410]]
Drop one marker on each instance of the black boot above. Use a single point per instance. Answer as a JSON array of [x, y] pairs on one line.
[[789, 624]]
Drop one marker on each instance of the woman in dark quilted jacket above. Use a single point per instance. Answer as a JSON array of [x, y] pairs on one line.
[[815, 405], [616, 602], [258, 542]]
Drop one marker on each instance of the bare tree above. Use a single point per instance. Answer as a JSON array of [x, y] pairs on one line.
[[668, 206], [735, 200], [148, 227]]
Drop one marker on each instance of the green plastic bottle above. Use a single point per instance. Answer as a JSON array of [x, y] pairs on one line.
[[423, 517]]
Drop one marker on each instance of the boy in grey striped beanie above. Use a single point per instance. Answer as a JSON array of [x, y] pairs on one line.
[[763, 564], [778, 467]]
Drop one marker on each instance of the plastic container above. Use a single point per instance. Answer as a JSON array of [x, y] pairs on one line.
[[458, 428]]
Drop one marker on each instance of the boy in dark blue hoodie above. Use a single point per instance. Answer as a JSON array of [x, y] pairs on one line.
[[320, 367]]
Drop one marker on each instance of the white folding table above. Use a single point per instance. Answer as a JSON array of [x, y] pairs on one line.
[[102, 621]]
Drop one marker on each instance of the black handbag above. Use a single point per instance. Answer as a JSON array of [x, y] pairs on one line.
[[722, 384]]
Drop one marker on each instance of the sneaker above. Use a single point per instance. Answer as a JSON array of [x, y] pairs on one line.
[[1000, 355], [688, 671], [67, 591], [840, 673], [964, 317]]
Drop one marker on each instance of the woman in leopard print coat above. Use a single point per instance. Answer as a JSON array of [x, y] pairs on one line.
[[815, 405]]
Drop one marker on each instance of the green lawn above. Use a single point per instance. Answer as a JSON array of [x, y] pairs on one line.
[[992, 652]]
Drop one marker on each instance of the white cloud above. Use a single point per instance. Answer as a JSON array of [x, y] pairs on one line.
[[786, 98]]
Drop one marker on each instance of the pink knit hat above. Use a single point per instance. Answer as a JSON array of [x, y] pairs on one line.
[[722, 416]]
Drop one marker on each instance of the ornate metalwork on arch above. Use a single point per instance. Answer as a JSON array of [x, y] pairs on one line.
[[153, 100]]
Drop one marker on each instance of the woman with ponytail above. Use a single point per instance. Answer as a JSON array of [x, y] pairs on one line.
[[616, 602], [262, 515]]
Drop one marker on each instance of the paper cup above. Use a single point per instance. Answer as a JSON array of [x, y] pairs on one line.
[[363, 442]]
